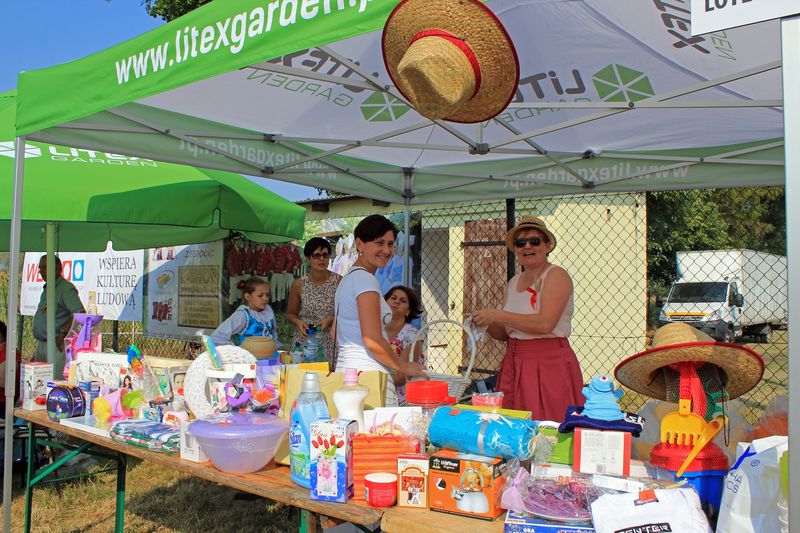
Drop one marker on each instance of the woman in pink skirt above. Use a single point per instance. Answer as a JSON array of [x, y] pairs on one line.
[[540, 372]]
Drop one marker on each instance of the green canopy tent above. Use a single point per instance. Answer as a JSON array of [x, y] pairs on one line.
[[94, 197], [613, 96], [79, 200]]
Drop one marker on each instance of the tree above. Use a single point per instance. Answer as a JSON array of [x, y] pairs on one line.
[[753, 218], [680, 220], [171, 9]]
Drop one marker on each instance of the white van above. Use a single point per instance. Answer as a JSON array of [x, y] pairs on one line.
[[729, 293]]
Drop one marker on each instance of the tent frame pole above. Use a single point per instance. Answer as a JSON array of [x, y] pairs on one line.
[[790, 44], [11, 321], [408, 181]]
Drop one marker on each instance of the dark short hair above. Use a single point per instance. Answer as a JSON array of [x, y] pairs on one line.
[[313, 244], [3, 330], [414, 305], [57, 263], [251, 283], [373, 227]]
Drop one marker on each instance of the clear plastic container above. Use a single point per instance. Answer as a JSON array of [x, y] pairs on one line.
[[239, 442], [429, 395]]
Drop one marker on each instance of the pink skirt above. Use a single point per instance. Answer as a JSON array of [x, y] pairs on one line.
[[541, 376]]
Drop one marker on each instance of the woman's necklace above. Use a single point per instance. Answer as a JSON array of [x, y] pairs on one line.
[[323, 275], [393, 328]]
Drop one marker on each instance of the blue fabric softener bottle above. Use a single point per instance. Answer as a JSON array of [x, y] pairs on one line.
[[309, 406]]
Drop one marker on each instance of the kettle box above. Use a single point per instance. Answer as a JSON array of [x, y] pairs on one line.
[[466, 484]]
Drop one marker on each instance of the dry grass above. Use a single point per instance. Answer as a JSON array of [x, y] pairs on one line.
[[158, 499]]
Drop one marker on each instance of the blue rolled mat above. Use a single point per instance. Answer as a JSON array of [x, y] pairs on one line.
[[482, 433]]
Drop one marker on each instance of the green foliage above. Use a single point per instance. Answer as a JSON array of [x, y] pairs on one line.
[[171, 9], [707, 220]]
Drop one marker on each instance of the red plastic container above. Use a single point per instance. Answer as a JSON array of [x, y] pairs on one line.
[[428, 394], [380, 489]]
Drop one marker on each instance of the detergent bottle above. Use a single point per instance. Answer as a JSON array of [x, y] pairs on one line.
[[309, 407], [349, 400]]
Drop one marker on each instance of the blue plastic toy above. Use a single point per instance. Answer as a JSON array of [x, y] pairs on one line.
[[601, 399]]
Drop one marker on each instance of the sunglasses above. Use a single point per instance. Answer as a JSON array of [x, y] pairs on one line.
[[323, 255], [534, 241]]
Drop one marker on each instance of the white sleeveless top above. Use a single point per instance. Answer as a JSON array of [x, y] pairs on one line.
[[520, 302]]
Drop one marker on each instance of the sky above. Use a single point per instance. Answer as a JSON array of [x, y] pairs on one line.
[[36, 34]]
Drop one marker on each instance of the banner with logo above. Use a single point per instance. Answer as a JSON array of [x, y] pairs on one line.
[[184, 290], [612, 96], [109, 282]]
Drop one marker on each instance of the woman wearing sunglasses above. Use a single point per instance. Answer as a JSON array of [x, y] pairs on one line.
[[311, 297], [540, 372]]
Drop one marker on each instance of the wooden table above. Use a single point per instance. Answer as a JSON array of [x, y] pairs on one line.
[[273, 482]]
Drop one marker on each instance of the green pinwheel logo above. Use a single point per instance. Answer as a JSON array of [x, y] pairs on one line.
[[382, 107], [7, 150], [616, 83]]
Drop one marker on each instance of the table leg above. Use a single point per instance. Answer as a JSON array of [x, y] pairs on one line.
[[309, 522], [119, 520], [29, 476]]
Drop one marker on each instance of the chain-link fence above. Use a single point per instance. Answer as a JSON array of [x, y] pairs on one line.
[[623, 252]]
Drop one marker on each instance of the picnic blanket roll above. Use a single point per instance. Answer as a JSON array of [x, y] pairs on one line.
[[487, 434]]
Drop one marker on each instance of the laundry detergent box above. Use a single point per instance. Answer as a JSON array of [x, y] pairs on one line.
[[466, 484], [331, 459], [412, 480], [522, 523], [33, 378]]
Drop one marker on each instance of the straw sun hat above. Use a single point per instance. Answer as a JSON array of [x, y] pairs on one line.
[[530, 222], [677, 342], [452, 59]]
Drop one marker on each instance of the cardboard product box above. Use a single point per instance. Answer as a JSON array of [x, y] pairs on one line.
[[331, 472], [466, 484], [190, 448], [521, 523], [412, 480], [562, 443], [602, 452], [378, 453], [33, 378]]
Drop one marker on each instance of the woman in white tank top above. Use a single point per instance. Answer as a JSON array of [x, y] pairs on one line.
[[362, 313], [539, 372]]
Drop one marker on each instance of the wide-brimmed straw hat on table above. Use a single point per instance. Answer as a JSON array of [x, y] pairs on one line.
[[530, 222], [452, 59], [741, 367]]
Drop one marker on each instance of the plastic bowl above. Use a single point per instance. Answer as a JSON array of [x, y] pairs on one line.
[[239, 442]]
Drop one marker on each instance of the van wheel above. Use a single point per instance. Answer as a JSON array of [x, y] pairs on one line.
[[766, 335], [729, 335]]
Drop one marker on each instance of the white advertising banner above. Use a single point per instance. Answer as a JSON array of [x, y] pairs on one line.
[[715, 15], [111, 281], [184, 290]]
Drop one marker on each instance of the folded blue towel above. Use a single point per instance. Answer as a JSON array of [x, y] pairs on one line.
[[487, 434]]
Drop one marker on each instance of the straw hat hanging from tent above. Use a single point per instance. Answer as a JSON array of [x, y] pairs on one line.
[[452, 59]]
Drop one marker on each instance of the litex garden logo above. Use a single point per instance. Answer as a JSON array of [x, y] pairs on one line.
[[7, 150], [382, 107], [616, 83]]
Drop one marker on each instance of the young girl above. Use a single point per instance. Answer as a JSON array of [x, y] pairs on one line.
[[405, 307], [251, 319]]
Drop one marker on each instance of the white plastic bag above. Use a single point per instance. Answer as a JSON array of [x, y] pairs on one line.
[[676, 510], [752, 489]]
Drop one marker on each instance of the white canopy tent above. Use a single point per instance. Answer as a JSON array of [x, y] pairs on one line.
[[613, 96]]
